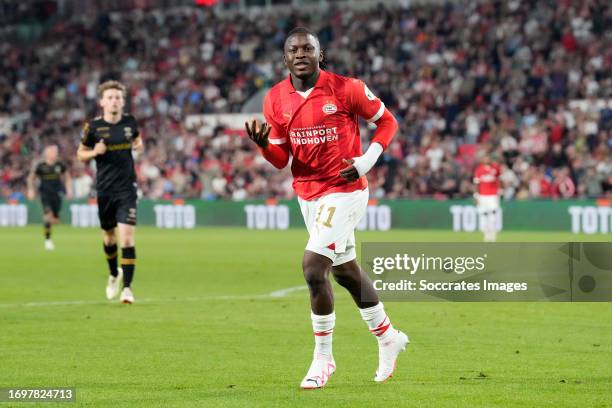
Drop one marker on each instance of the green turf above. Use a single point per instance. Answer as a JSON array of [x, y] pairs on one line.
[[205, 333]]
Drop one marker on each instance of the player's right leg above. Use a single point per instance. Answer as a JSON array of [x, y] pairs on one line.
[[47, 221], [316, 271], [113, 283], [488, 207]]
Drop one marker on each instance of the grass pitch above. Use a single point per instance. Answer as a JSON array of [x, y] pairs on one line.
[[206, 331]]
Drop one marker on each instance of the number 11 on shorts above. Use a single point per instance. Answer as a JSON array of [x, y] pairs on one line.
[[330, 214]]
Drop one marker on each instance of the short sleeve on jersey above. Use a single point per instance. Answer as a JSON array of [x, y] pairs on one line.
[[87, 136], [363, 102]]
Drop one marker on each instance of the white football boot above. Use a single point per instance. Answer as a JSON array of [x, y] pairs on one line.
[[388, 350], [49, 245], [112, 286], [127, 296], [320, 370]]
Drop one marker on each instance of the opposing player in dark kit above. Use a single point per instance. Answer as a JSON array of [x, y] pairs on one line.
[[110, 139], [54, 181]]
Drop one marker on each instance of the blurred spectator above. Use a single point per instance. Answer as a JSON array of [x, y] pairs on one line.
[[523, 79]]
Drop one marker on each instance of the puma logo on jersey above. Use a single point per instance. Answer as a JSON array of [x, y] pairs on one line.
[[368, 93]]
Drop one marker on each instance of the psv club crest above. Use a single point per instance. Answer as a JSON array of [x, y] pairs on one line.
[[127, 132], [329, 108]]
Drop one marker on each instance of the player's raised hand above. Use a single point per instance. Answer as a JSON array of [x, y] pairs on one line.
[[349, 173], [31, 194], [258, 134], [100, 147]]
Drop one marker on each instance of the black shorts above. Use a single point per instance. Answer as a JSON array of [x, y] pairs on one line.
[[119, 208], [51, 202]]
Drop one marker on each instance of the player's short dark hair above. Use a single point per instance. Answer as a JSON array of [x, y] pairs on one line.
[[301, 30], [307, 31]]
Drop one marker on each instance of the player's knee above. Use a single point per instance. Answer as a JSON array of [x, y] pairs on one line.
[[316, 283], [127, 242], [127, 237], [109, 237], [315, 269], [314, 274], [346, 274]]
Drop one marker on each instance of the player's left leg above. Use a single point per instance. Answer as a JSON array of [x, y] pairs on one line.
[[126, 219], [128, 260], [495, 217], [56, 206], [53, 217], [50, 207], [48, 222], [493, 225], [390, 341]]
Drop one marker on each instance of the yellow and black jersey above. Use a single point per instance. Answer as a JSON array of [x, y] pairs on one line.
[[50, 176], [115, 168]]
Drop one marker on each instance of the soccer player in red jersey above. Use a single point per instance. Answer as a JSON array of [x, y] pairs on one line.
[[486, 178], [313, 116]]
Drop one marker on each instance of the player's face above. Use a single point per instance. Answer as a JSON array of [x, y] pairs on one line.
[[302, 55], [112, 101], [51, 154]]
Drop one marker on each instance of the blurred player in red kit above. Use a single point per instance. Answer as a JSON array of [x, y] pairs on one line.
[[313, 116], [486, 178]]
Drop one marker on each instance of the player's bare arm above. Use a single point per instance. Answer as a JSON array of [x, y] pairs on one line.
[[258, 134], [31, 193], [68, 184], [85, 154]]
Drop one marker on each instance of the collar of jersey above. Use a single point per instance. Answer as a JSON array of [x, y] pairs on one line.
[[321, 82]]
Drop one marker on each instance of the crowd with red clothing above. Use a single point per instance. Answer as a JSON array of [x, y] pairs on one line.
[[525, 82]]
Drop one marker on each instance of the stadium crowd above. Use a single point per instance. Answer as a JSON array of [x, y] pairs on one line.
[[527, 82]]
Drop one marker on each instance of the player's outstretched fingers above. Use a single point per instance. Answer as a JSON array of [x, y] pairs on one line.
[[258, 134], [269, 128]]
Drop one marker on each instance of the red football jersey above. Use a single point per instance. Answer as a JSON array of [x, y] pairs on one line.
[[487, 178], [321, 130]]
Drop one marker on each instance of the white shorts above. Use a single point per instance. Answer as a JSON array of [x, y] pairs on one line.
[[487, 203], [331, 221]]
